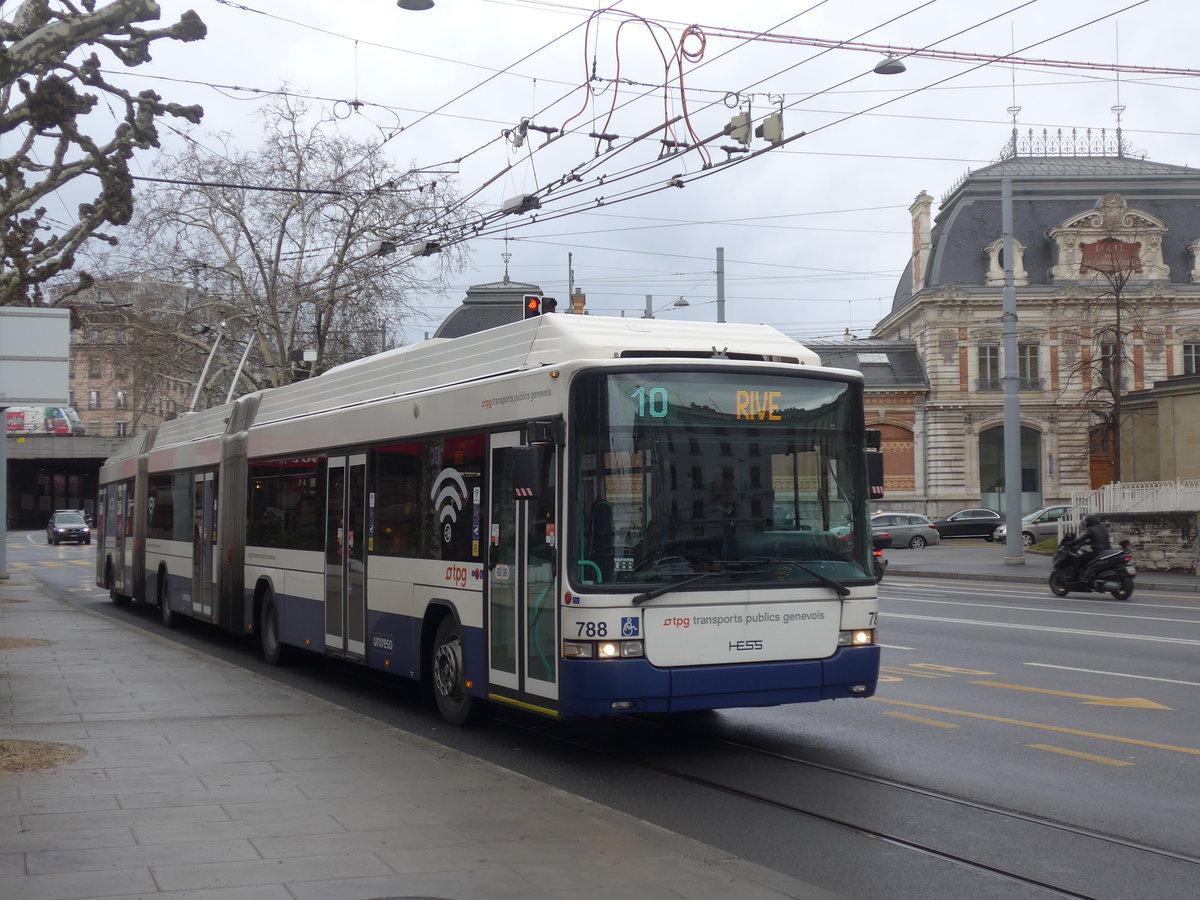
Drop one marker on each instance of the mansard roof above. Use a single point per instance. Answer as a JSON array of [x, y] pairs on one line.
[[487, 306], [884, 364], [1048, 191]]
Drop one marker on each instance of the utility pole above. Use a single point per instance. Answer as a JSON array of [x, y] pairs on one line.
[[1014, 551]]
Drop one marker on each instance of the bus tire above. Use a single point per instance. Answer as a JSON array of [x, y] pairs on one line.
[[447, 677], [117, 599], [274, 651], [170, 618]]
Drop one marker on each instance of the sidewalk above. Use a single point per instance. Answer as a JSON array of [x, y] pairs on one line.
[[203, 781], [981, 561]]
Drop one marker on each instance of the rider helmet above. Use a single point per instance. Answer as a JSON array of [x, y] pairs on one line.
[[1091, 519]]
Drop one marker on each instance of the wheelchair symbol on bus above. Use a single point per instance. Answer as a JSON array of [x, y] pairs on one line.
[[630, 626]]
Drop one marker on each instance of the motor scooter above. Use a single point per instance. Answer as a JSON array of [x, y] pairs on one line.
[[1111, 572]]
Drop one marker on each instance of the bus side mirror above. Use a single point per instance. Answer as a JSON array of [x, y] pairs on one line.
[[875, 474], [527, 472]]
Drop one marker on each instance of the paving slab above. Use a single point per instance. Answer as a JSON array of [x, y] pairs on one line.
[[190, 789]]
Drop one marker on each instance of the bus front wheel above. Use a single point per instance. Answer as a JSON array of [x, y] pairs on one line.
[[448, 677]]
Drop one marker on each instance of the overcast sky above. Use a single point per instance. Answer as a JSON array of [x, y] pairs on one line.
[[815, 232]]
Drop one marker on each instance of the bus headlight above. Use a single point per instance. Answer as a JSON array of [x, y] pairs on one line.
[[859, 637], [602, 649], [578, 650]]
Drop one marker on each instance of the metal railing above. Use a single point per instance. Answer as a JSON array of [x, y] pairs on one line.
[[997, 384], [1133, 496]]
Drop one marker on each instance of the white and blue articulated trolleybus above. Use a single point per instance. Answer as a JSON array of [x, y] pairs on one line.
[[573, 515]]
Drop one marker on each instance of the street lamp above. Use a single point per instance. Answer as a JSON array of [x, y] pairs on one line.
[[893, 65], [650, 312]]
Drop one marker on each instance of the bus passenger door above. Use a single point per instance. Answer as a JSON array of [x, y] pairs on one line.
[[120, 497], [346, 555], [522, 600], [204, 521]]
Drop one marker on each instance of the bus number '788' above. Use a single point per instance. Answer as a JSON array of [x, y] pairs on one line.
[[592, 629]]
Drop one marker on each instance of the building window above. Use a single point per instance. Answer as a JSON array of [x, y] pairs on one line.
[[122, 429], [94, 427], [94, 370], [989, 367], [122, 403], [1110, 367], [93, 399], [1191, 359], [1027, 367], [70, 397]]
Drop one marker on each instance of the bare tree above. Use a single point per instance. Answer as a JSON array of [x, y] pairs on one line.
[[47, 89], [1112, 315], [293, 238]]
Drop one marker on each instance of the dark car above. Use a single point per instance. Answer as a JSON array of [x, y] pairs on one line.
[[970, 523], [68, 525]]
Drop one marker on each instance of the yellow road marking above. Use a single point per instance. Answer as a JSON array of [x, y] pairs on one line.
[[950, 669], [1089, 699], [902, 671], [922, 720], [1191, 751], [52, 563], [1075, 753], [82, 562], [17, 565]]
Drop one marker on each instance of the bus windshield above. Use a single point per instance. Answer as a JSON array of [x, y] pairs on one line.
[[749, 477]]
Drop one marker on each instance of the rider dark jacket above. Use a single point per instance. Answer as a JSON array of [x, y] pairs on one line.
[[1097, 534]]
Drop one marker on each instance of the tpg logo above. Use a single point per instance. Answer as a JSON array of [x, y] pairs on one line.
[[456, 575]]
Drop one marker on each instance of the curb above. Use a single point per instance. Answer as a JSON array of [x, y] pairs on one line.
[[1187, 587]]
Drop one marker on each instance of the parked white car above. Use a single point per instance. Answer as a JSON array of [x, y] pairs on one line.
[[1035, 526]]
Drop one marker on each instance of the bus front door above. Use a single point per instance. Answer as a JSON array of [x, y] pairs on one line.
[[346, 556], [204, 523], [522, 600]]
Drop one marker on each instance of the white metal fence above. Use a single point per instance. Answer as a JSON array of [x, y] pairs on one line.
[[1133, 496]]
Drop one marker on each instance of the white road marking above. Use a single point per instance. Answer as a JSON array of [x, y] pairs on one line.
[[1116, 674]]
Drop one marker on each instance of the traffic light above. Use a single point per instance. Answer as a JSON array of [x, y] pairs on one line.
[[533, 305]]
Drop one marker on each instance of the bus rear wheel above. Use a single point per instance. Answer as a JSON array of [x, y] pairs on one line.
[[170, 618], [274, 651], [117, 598], [449, 680]]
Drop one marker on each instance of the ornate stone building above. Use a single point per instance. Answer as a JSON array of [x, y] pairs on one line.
[[1107, 273]]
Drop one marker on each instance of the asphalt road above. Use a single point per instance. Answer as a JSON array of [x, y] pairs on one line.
[[1020, 745]]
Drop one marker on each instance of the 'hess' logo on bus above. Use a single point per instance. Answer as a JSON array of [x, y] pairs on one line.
[[449, 493]]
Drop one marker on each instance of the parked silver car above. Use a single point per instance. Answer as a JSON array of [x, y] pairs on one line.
[[907, 529], [1036, 526]]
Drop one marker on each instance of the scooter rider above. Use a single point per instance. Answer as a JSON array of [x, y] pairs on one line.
[[1096, 537]]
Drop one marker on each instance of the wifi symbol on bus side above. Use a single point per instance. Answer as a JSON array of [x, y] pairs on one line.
[[448, 494]]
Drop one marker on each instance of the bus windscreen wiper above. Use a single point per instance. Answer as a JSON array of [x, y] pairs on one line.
[[842, 590], [667, 588]]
